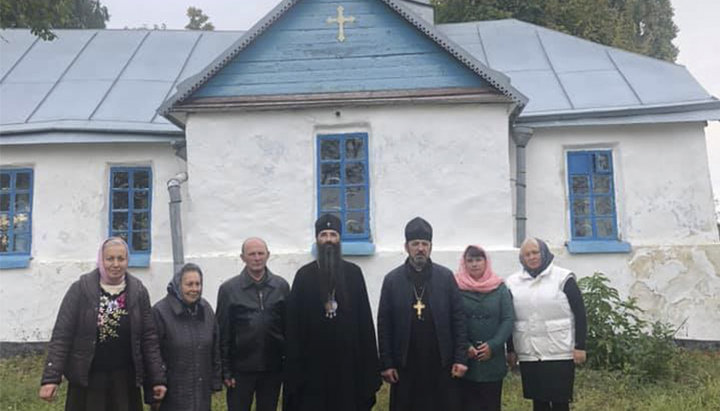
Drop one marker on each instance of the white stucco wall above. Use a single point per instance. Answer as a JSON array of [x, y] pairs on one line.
[[255, 175], [664, 209], [662, 183], [70, 219]]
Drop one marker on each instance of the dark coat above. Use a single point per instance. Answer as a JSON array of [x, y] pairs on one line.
[[190, 347], [332, 363], [395, 316], [251, 317], [72, 345]]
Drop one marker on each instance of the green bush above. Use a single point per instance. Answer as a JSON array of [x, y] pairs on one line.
[[619, 339]]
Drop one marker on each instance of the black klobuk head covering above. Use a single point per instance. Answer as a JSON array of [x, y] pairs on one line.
[[418, 229], [328, 222]]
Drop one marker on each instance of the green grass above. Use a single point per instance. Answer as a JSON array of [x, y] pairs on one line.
[[695, 385]]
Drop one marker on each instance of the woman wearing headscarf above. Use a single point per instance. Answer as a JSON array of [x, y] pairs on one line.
[[550, 327], [489, 318], [189, 343], [104, 340]]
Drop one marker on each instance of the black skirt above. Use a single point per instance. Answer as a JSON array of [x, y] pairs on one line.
[[106, 391], [548, 380]]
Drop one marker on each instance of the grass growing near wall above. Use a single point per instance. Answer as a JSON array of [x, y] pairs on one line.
[[694, 385]]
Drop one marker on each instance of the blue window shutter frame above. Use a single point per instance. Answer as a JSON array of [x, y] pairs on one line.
[[16, 224], [593, 223], [341, 178], [118, 214]]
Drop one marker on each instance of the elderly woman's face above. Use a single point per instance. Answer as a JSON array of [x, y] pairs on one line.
[[191, 286], [530, 254], [115, 260]]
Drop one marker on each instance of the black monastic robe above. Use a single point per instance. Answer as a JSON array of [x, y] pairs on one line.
[[332, 363]]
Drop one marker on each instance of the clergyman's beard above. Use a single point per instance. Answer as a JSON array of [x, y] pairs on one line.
[[329, 262]]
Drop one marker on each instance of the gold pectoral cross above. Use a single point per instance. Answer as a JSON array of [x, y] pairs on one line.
[[419, 307], [341, 20]]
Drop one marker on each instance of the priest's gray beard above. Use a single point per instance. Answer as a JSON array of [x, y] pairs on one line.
[[329, 257]]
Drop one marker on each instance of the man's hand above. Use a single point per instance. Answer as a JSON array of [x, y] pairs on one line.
[[159, 392], [229, 382], [579, 356], [390, 376], [472, 353], [47, 392], [458, 370]]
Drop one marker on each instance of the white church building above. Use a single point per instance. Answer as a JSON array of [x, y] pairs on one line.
[[490, 130]]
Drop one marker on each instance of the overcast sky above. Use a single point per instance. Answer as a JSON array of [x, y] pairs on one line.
[[698, 39]]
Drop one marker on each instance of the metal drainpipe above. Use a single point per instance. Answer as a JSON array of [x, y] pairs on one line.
[[520, 135], [173, 186]]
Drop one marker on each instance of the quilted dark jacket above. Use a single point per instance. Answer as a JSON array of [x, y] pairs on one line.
[[72, 345], [190, 346]]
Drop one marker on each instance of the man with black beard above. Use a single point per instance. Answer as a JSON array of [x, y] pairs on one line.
[[332, 361], [421, 329]]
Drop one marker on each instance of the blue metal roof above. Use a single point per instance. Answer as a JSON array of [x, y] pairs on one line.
[[98, 81], [94, 85]]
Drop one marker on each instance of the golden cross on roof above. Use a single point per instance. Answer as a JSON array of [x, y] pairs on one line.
[[340, 20]]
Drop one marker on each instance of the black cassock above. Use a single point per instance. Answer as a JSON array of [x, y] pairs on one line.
[[331, 363]]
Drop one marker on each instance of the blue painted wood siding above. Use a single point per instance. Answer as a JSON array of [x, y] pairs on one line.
[[300, 53]]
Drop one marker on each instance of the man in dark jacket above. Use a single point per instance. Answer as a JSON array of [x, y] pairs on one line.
[[251, 315], [332, 362], [421, 329]]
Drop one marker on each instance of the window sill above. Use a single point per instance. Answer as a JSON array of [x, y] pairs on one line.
[[14, 261], [352, 248], [139, 260], [598, 247]]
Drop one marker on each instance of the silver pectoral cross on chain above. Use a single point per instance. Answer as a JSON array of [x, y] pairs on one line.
[[340, 20]]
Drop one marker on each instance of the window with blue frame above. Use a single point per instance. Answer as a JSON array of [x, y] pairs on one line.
[[16, 190], [343, 186], [593, 217], [130, 210]]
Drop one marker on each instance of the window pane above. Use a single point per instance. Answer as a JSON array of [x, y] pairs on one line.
[[602, 162], [330, 174], [121, 234], [120, 179], [330, 150], [580, 185], [22, 245], [22, 202], [4, 181], [22, 222], [601, 184], [329, 199], [141, 221], [582, 227], [141, 241], [354, 173], [581, 206], [605, 227], [141, 179], [4, 222], [4, 242], [354, 149], [119, 222], [141, 200], [22, 181], [603, 205], [120, 200], [355, 197], [4, 202], [355, 223]]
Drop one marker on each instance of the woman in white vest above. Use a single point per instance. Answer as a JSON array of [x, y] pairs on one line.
[[550, 327]]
